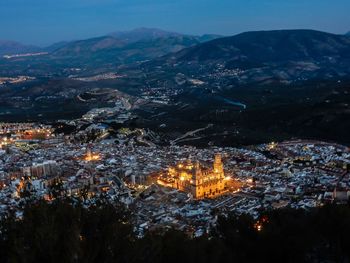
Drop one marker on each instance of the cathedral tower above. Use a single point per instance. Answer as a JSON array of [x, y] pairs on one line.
[[218, 165]]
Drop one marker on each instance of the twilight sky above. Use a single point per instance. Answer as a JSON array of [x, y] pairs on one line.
[[43, 22]]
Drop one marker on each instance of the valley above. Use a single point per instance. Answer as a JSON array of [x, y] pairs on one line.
[[247, 93]]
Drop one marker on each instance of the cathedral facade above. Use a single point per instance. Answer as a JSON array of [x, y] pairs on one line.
[[199, 181]]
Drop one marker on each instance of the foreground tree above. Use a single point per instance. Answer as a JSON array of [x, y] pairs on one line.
[[66, 231]]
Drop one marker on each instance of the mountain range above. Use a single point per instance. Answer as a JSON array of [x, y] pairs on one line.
[[99, 54], [283, 55], [12, 47], [143, 34], [113, 40], [129, 46], [112, 49], [270, 46], [267, 84], [253, 57]]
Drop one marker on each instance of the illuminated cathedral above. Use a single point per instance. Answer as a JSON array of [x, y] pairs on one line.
[[200, 182]]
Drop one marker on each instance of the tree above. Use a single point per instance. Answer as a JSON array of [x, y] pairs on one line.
[[56, 189]]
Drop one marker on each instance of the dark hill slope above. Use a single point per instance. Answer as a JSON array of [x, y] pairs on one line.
[[12, 47], [262, 57], [271, 46]]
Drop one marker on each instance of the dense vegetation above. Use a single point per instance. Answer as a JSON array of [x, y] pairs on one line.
[[67, 232], [315, 110]]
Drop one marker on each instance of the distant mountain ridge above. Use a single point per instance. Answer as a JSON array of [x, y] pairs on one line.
[[282, 55], [147, 34], [270, 46], [100, 54], [113, 40], [143, 34], [127, 39], [56, 46], [128, 46], [12, 47], [278, 54]]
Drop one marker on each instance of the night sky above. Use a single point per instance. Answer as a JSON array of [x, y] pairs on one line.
[[43, 22]]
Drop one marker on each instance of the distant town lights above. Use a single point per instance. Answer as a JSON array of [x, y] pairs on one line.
[[249, 180], [92, 157]]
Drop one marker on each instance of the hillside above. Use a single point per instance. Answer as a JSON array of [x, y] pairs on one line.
[[143, 34], [254, 87], [283, 55], [12, 47], [111, 49], [129, 46], [101, 54], [272, 46]]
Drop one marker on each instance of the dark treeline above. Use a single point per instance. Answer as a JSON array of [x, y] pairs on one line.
[[63, 232]]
